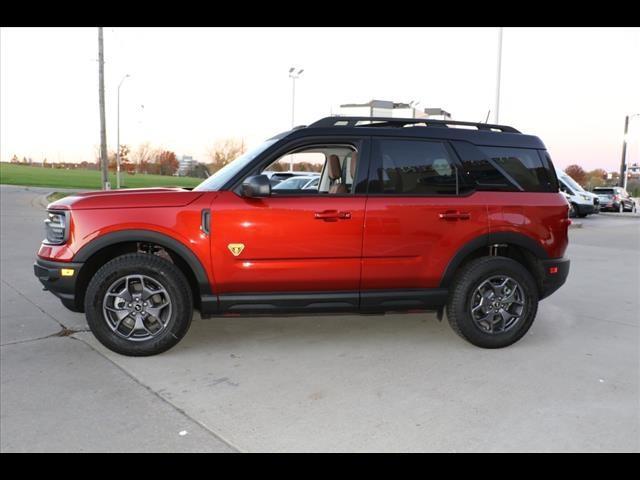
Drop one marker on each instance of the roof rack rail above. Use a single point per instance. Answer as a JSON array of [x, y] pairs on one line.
[[381, 122]]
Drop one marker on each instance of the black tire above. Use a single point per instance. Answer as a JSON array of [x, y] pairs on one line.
[[582, 215], [159, 270], [465, 283], [573, 211]]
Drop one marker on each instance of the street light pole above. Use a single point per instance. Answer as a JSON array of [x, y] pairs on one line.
[[118, 135], [623, 164], [104, 161], [294, 75], [498, 75]]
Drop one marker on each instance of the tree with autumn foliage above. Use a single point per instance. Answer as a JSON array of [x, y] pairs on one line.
[[167, 162], [596, 178], [577, 173], [224, 152]]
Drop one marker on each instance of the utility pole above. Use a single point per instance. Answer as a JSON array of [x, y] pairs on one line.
[[498, 75], [103, 131], [293, 75], [623, 162]]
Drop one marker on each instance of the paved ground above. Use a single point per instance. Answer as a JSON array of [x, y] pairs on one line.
[[331, 383]]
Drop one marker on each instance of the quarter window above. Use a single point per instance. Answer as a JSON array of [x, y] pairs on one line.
[[523, 165]]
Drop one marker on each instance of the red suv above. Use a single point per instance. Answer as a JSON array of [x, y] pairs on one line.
[[408, 214]]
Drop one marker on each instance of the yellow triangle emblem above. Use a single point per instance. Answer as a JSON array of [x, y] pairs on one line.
[[236, 248]]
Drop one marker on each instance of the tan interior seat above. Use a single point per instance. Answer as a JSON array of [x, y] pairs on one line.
[[335, 176]]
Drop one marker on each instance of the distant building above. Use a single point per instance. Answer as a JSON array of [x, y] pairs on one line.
[[389, 109], [186, 164], [633, 171]]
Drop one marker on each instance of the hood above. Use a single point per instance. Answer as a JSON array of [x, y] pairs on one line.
[[129, 198]]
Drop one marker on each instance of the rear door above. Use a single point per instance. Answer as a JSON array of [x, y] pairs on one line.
[[418, 215]]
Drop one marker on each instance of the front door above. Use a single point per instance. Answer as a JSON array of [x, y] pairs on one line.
[[302, 245]]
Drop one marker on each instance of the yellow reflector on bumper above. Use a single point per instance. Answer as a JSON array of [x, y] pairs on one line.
[[66, 272]]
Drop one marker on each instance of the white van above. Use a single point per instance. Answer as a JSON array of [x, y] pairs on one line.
[[582, 203]]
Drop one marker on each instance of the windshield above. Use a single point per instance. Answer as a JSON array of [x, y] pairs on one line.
[[603, 191], [226, 173], [571, 182]]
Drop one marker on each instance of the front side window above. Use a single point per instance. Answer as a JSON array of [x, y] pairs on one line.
[[314, 169], [413, 167]]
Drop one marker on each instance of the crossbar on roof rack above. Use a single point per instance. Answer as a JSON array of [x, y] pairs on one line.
[[380, 122]]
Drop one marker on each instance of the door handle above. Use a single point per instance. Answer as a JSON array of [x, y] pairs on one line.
[[454, 215], [332, 215]]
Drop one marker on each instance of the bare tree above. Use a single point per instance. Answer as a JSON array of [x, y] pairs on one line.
[[225, 151], [143, 155]]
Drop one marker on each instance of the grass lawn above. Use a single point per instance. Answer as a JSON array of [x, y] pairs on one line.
[[84, 179]]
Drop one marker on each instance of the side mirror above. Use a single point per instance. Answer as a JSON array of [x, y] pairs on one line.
[[256, 186]]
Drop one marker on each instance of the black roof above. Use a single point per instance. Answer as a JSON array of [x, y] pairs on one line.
[[476, 133]]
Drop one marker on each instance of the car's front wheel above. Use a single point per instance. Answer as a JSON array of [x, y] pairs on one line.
[[139, 304], [493, 302]]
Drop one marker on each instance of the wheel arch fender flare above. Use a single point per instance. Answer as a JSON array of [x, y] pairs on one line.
[[485, 240], [121, 236]]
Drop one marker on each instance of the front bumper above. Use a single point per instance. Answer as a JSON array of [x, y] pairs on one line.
[[555, 275], [62, 286], [585, 209]]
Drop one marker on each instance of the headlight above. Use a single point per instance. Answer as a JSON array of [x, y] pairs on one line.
[[586, 197], [56, 228]]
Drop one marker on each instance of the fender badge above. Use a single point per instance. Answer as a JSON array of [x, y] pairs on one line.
[[236, 248]]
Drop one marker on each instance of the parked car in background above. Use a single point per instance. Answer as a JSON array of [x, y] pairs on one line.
[[581, 202], [312, 184], [276, 177], [612, 197], [297, 182]]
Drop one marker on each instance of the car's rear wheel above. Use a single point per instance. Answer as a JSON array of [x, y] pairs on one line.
[[139, 304], [493, 302]]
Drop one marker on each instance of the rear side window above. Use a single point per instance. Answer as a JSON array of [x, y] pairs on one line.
[[523, 165], [412, 167], [480, 171]]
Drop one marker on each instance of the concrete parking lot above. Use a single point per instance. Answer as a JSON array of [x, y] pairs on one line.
[[401, 382]]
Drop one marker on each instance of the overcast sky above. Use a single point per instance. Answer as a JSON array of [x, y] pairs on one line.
[[570, 86]]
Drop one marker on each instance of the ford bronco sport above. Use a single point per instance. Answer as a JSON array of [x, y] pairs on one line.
[[408, 214]]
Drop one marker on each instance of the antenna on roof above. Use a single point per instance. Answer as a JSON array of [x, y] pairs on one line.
[[487, 119]]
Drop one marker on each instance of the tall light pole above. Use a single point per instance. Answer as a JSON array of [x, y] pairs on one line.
[[104, 161], [414, 105], [623, 164], [293, 75], [498, 75], [118, 134]]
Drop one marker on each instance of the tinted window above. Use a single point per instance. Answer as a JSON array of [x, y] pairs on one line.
[[523, 165], [551, 170], [482, 173], [413, 167]]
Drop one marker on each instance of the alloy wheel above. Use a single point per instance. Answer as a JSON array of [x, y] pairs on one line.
[[497, 304], [136, 307]]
